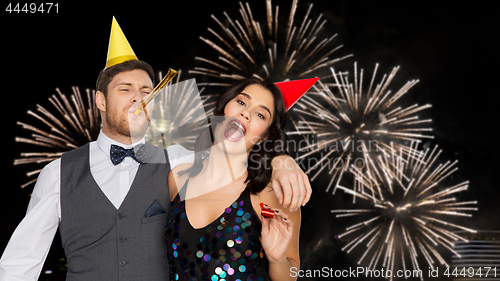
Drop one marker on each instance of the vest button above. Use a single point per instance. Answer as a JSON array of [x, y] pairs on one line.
[[120, 216], [122, 262], [122, 239]]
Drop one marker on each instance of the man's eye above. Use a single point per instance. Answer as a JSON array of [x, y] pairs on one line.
[[241, 102], [124, 90]]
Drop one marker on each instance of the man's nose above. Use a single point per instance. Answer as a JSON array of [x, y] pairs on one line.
[[137, 97]]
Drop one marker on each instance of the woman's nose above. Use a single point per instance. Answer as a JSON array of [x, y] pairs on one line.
[[245, 115]]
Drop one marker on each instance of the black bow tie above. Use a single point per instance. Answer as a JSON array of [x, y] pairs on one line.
[[118, 153]]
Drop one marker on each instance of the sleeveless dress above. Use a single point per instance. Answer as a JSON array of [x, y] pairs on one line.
[[229, 248]]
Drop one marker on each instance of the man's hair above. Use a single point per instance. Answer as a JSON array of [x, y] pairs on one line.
[[108, 74]]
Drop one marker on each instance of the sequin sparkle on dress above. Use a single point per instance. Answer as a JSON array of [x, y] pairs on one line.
[[229, 248]]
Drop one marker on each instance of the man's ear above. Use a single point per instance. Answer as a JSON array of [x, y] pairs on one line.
[[100, 101]]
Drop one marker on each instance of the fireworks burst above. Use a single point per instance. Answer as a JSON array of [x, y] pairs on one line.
[[268, 49], [70, 126], [349, 126], [409, 207]]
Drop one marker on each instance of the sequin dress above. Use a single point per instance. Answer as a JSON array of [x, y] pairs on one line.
[[229, 248]]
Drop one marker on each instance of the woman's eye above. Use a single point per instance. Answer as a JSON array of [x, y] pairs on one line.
[[240, 102], [261, 116]]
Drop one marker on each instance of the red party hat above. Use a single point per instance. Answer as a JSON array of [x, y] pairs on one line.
[[292, 91]]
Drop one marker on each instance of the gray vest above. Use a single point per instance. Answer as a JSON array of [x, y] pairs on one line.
[[103, 243]]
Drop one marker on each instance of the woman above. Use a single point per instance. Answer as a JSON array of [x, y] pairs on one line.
[[215, 228]]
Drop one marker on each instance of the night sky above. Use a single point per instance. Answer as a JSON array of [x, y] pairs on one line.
[[451, 49]]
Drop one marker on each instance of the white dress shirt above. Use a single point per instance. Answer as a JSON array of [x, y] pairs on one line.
[[29, 245]]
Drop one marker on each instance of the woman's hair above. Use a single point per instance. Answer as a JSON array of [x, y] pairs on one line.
[[259, 161]]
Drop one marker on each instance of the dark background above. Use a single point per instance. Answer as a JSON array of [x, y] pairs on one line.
[[451, 49]]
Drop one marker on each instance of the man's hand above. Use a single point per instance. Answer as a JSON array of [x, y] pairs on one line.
[[290, 183]]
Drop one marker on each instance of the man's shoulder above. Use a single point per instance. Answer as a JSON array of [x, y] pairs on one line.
[[50, 172], [77, 151], [53, 165], [177, 150], [177, 155]]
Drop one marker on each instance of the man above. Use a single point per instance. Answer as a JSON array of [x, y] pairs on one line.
[[109, 198]]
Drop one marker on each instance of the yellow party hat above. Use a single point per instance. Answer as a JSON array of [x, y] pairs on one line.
[[119, 49]]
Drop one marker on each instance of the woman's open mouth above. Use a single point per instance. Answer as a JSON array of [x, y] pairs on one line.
[[235, 130]]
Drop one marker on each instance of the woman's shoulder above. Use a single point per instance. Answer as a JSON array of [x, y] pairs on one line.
[[179, 172], [181, 167], [177, 178]]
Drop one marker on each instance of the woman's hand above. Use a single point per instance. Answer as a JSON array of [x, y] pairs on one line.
[[276, 235]]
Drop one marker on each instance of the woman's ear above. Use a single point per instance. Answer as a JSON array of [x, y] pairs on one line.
[[100, 101]]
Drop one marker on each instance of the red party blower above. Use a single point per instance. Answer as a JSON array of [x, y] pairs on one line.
[[266, 213]]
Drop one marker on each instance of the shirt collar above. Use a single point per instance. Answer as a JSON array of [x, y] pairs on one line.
[[104, 143]]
